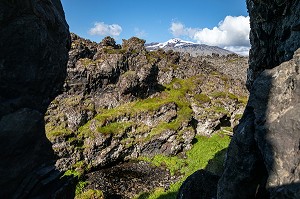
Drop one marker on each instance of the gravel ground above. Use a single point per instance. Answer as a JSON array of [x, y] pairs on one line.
[[126, 180]]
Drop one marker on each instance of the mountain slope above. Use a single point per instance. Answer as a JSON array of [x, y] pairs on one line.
[[194, 49]]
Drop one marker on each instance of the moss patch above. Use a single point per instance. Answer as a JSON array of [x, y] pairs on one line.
[[114, 128], [90, 194], [202, 98], [204, 150]]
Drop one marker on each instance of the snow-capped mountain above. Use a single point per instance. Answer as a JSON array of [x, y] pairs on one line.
[[190, 47]]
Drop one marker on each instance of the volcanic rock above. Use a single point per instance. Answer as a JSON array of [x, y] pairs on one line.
[[263, 156], [32, 71]]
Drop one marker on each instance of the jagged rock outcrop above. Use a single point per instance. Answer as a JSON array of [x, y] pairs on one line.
[[34, 44], [122, 102], [263, 159]]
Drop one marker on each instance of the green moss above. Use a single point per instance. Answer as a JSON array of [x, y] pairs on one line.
[[218, 95], [72, 101], [110, 50], [204, 150], [243, 100], [107, 120], [81, 182], [90, 194], [142, 129], [85, 131], [53, 132], [80, 187], [217, 109], [152, 57], [89, 105], [229, 95], [114, 128], [232, 96], [202, 98], [174, 164], [72, 172], [238, 116], [128, 142], [226, 130]]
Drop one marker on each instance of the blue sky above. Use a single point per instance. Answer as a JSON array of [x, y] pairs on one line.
[[160, 20]]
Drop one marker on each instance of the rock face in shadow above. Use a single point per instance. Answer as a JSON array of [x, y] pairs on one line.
[[274, 36], [34, 44], [263, 159], [201, 184]]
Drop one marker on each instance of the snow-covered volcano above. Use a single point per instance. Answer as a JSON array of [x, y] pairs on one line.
[[186, 46]]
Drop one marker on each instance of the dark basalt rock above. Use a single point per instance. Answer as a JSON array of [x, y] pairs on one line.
[[263, 156], [34, 44], [200, 185], [80, 48], [274, 34]]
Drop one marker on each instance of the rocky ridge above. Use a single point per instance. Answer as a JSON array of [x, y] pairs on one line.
[[121, 102]]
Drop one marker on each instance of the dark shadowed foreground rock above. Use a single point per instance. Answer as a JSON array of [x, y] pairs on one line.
[[34, 44], [274, 34], [263, 159], [200, 185]]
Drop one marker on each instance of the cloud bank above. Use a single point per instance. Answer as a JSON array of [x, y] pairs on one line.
[[232, 34], [140, 33], [102, 29]]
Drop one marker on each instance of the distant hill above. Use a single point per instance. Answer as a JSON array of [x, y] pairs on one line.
[[194, 49]]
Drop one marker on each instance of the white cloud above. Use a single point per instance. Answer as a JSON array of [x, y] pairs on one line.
[[102, 29], [140, 33], [178, 29], [232, 33], [241, 50]]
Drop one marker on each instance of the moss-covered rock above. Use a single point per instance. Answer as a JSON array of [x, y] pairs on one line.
[[126, 103]]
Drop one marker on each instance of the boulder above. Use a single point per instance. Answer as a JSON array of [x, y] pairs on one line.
[[32, 71], [263, 156], [274, 34]]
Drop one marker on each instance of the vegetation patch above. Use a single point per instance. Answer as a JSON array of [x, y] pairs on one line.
[[243, 100], [90, 194], [109, 50], [115, 128], [202, 98], [53, 132], [107, 120], [204, 151]]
